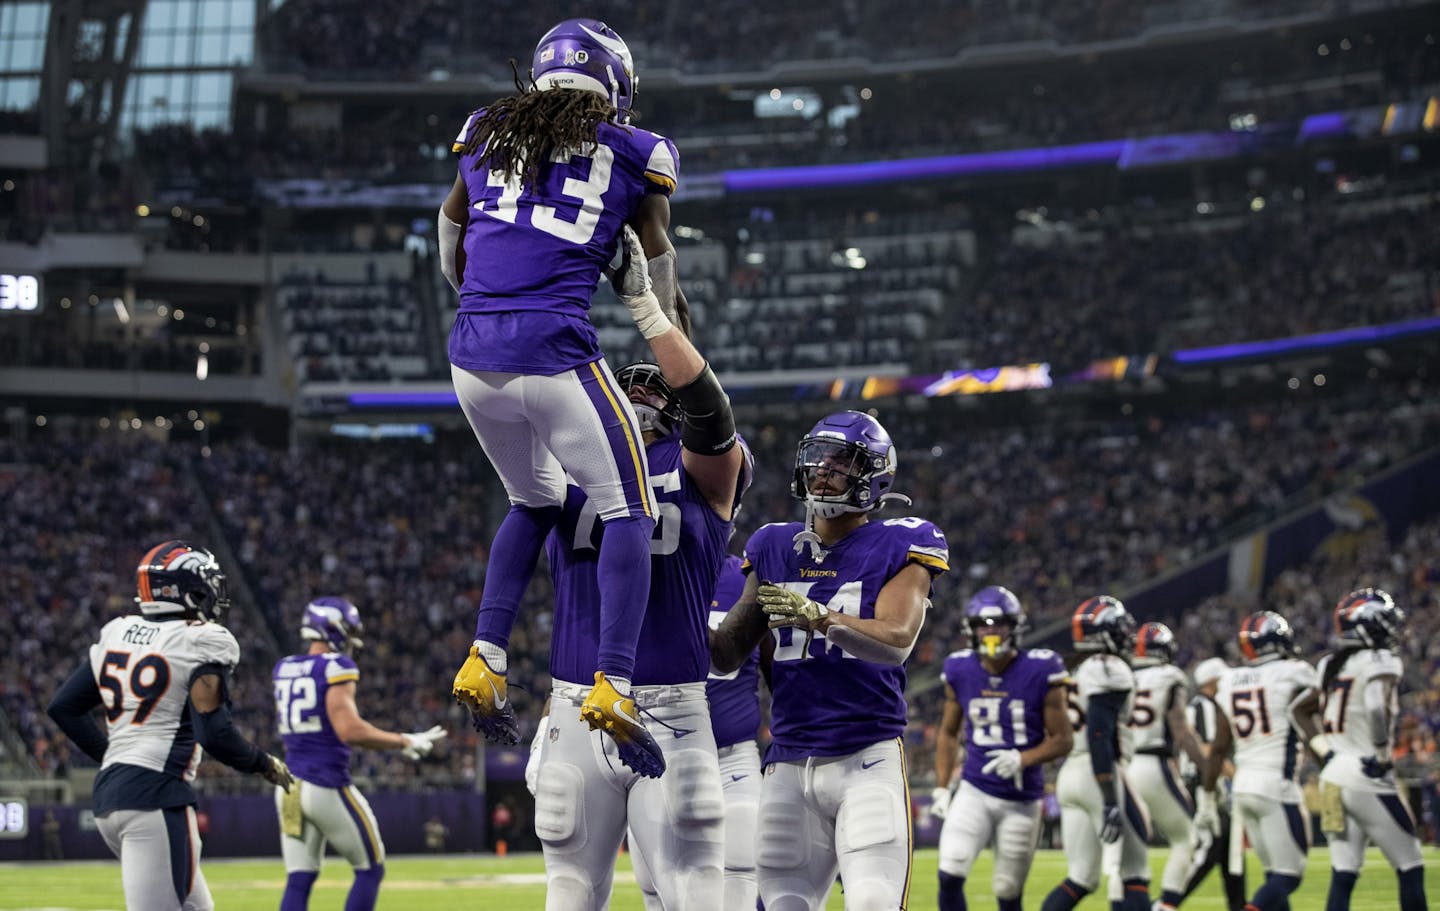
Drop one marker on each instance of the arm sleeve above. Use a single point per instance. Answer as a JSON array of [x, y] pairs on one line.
[[867, 649], [1102, 719], [70, 709], [217, 734]]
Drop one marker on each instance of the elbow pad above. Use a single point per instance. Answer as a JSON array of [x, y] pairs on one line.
[[449, 234], [215, 731], [709, 427], [867, 649]]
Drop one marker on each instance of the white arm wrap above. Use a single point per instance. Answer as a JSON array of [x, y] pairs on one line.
[[449, 234]]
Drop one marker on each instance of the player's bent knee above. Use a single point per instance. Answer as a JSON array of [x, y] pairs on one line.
[[1007, 884], [559, 806], [869, 819], [872, 895]]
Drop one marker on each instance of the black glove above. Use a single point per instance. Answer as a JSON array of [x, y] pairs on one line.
[[1110, 829], [1374, 768]]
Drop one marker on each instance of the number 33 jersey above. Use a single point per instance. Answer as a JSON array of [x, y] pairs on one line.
[[312, 750], [1004, 711], [832, 703], [1256, 700], [143, 668]]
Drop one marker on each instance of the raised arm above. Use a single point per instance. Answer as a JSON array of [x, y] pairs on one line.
[[652, 221]]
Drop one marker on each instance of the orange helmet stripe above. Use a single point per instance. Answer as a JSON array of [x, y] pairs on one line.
[[153, 558]]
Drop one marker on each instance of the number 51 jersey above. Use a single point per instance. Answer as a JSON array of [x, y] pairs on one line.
[[143, 669], [1256, 699]]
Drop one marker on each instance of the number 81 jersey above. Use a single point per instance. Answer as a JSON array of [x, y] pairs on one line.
[[1004, 711], [312, 750], [143, 669]]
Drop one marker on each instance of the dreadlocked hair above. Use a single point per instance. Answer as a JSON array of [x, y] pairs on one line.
[[1336, 664], [521, 132]]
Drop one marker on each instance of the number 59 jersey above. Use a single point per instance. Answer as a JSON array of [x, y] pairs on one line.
[[1256, 700], [143, 669], [313, 751]]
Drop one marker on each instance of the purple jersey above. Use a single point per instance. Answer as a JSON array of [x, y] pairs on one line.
[[833, 704], [1003, 712], [686, 553], [533, 254], [312, 750], [734, 697]]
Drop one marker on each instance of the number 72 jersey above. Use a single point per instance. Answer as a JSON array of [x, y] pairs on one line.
[[143, 669], [1256, 700]]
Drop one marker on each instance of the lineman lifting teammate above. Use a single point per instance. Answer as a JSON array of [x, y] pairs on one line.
[[584, 796], [319, 722], [1096, 805], [845, 597], [1012, 703], [162, 677], [1159, 727], [548, 178]]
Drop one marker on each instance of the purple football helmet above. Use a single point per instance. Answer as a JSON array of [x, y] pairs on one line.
[[848, 445], [995, 621], [334, 621], [588, 55]]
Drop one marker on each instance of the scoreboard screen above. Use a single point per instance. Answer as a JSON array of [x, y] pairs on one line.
[[19, 293]]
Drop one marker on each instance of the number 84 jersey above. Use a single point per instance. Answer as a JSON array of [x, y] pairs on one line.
[[312, 750]]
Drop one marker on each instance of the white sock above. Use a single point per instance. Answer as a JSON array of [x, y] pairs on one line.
[[621, 684], [494, 656]]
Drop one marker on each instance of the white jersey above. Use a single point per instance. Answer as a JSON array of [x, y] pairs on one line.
[[143, 668], [1158, 687], [1256, 699], [1347, 723], [1101, 674]]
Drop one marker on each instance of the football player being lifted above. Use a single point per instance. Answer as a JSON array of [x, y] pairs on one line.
[[549, 180], [1358, 702], [1011, 703], [1160, 728]]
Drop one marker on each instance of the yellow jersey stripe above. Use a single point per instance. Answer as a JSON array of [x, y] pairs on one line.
[[929, 561], [663, 180], [644, 482]]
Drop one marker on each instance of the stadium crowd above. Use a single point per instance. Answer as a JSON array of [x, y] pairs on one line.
[[403, 529]]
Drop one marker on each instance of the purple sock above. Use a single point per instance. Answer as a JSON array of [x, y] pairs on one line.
[[297, 890], [624, 576], [1010, 904], [513, 555], [366, 889], [952, 892]]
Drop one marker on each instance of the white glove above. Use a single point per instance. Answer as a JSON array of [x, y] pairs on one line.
[[418, 745], [939, 802], [532, 765], [632, 283], [1004, 764], [1207, 813]]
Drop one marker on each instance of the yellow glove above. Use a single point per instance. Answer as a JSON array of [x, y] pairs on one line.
[[787, 608]]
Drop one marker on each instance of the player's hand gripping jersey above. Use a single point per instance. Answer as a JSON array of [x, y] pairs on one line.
[[831, 703], [312, 749]]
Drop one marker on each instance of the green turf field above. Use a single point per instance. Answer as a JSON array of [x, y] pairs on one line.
[[518, 882]]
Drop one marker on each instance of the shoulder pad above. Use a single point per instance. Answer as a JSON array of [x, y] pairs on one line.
[[215, 644]]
